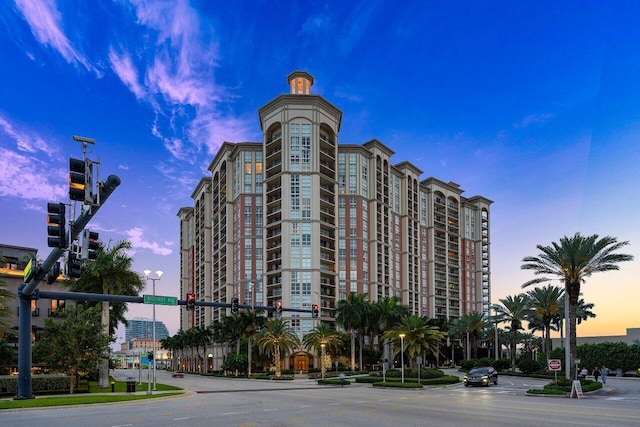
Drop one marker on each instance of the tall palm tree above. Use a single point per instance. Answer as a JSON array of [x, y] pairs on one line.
[[389, 314], [573, 260], [514, 309], [199, 336], [474, 324], [322, 336], [110, 274], [252, 322], [277, 337], [169, 343], [419, 338], [545, 302], [351, 314]]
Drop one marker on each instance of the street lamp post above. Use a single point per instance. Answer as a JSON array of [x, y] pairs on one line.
[[402, 355], [322, 358], [153, 279]]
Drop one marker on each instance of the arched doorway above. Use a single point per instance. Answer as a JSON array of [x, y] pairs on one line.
[[300, 361]]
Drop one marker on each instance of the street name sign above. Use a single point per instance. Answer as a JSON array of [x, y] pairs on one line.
[[160, 300]]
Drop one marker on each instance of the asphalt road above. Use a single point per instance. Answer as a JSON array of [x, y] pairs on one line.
[[233, 402]]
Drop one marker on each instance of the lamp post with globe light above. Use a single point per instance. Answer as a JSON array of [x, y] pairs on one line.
[[402, 355], [147, 274]]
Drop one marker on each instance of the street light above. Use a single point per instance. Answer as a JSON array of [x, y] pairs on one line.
[[153, 279], [402, 355], [322, 358]]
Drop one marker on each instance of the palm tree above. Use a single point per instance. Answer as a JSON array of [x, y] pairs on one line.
[[110, 274], [199, 337], [170, 345], [351, 314], [514, 310], [545, 302], [474, 324], [572, 261], [389, 314], [277, 337], [322, 336], [252, 321], [419, 338]]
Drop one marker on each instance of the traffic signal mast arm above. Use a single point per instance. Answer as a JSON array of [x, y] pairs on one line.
[[245, 306], [105, 189]]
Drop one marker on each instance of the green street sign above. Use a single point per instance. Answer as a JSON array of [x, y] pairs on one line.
[[28, 271], [160, 300]]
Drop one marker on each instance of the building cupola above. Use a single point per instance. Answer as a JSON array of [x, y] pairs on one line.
[[300, 83]]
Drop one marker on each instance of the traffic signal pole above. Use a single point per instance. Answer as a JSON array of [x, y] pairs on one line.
[[105, 188]]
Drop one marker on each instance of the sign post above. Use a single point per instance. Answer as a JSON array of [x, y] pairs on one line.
[[554, 365]]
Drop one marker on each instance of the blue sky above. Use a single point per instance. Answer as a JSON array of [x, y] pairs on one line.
[[533, 105]]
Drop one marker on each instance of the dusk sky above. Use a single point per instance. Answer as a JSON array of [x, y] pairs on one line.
[[532, 104]]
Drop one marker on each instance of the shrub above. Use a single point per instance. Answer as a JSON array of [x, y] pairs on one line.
[[467, 365], [445, 379], [398, 384], [485, 361], [431, 373], [528, 366], [332, 381], [502, 364]]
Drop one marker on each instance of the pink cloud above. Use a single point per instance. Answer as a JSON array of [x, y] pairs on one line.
[[46, 25], [27, 178], [127, 72], [135, 236]]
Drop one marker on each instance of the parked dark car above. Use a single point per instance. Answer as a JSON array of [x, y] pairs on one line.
[[481, 376], [177, 374]]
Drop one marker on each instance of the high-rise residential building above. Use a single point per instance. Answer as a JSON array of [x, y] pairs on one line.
[[141, 327], [301, 218]]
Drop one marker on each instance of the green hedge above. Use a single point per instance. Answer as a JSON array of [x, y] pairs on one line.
[[40, 384], [564, 385], [398, 384], [332, 381], [445, 379]]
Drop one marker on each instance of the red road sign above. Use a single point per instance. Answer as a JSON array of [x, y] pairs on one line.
[[554, 364]]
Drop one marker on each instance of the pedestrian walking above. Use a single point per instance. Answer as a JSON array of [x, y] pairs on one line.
[[596, 373], [584, 372], [342, 379], [604, 371]]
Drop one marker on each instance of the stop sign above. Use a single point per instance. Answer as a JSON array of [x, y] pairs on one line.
[[554, 364]]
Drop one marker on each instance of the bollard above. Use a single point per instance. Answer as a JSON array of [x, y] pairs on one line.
[[113, 386]]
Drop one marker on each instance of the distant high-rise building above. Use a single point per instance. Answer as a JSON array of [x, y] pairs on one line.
[[140, 327], [302, 219]]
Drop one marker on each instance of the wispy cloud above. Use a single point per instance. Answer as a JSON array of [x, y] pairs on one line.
[[25, 141], [45, 22], [534, 120], [23, 174], [175, 76], [124, 68], [135, 236]]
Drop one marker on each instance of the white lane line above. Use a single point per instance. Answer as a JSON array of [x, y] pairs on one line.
[[182, 419], [270, 409]]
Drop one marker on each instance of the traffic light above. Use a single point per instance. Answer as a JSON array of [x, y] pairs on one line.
[[191, 301], [315, 310], [81, 180], [279, 307], [73, 265], [53, 274], [89, 245], [234, 305], [56, 232]]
